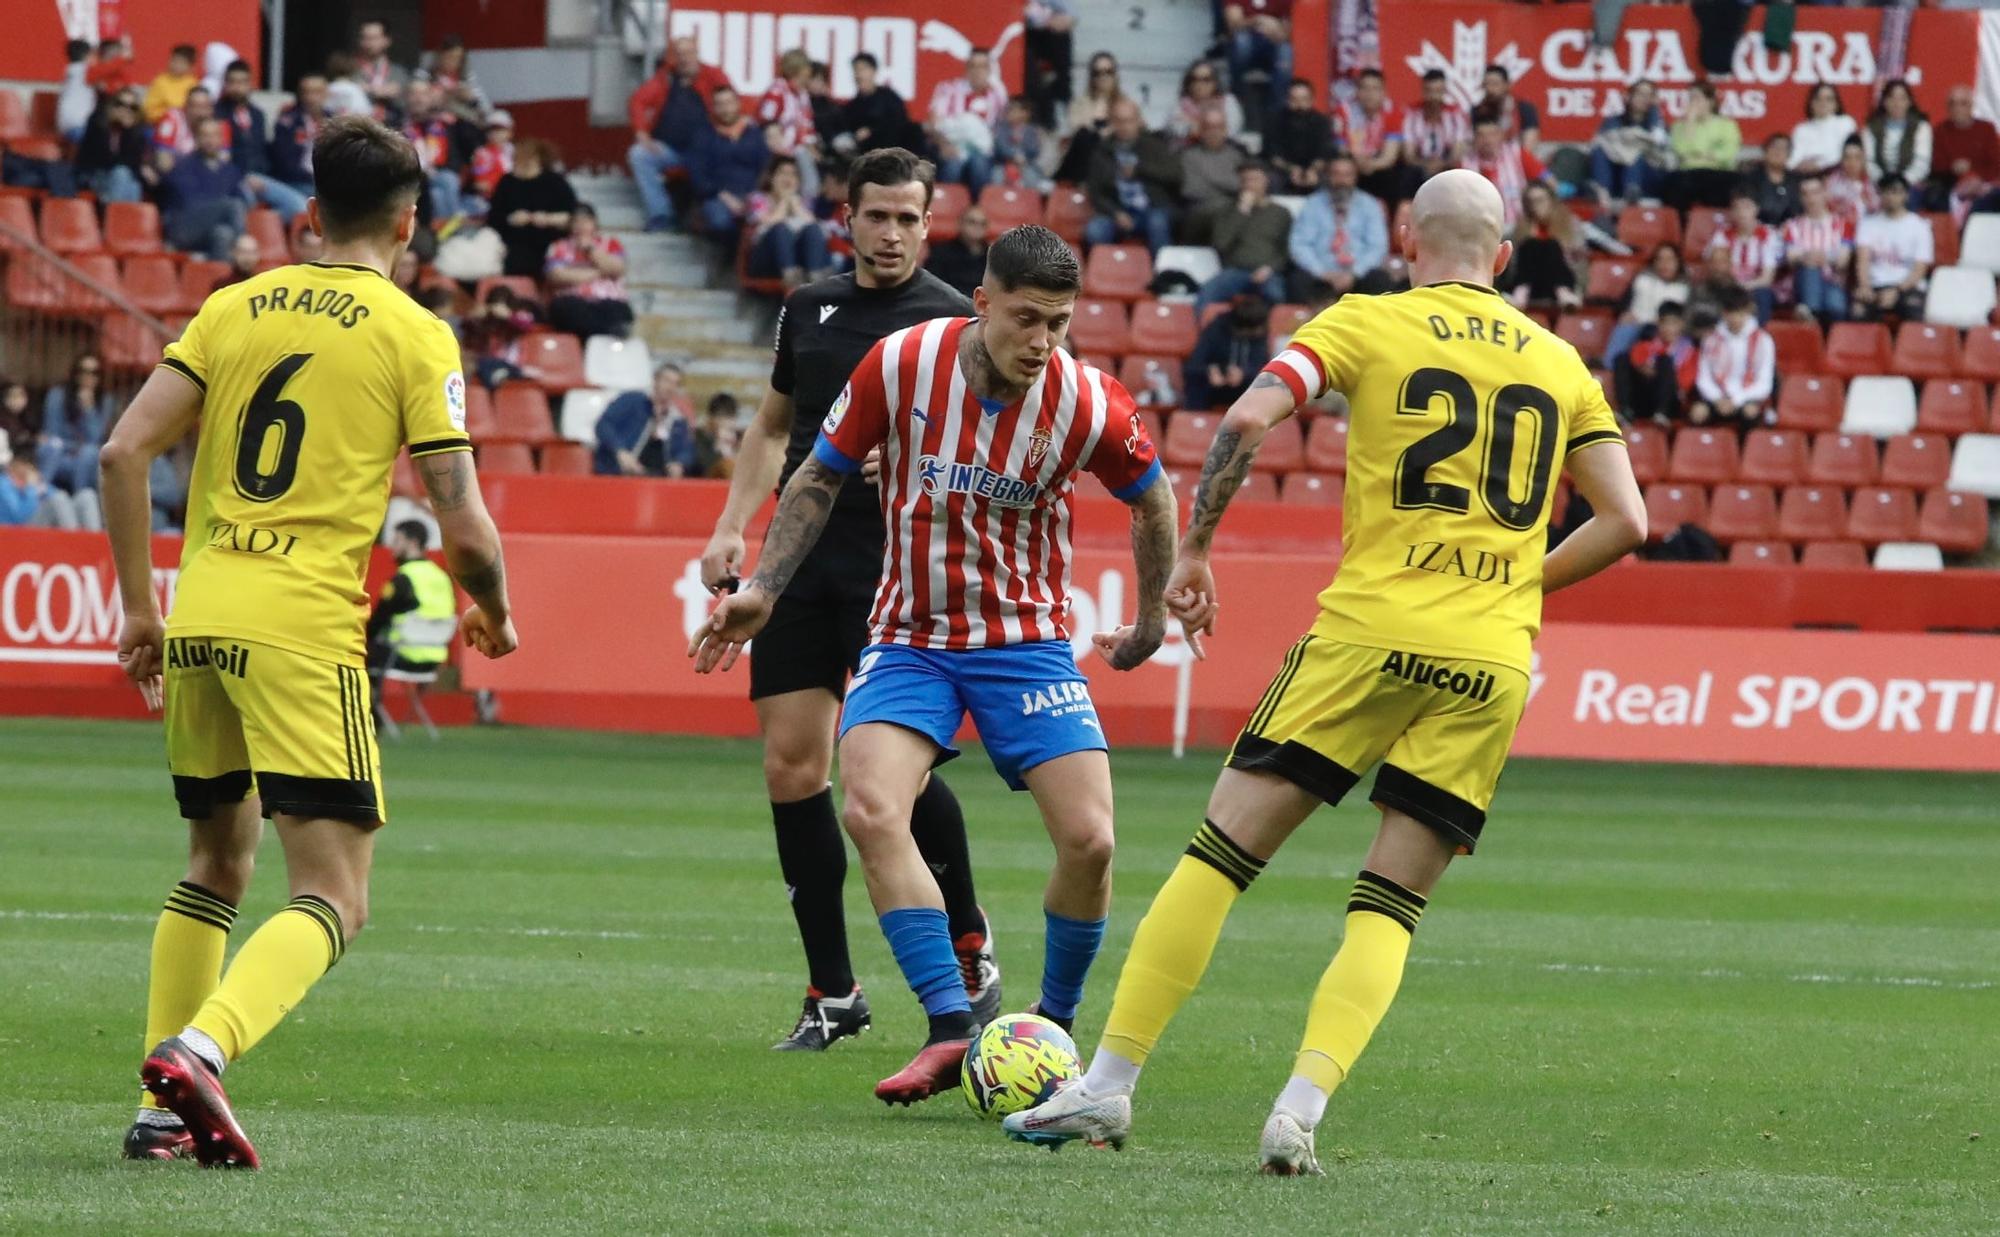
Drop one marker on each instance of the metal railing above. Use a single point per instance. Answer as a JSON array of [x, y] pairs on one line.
[[54, 309]]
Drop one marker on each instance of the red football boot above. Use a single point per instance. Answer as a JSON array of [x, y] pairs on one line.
[[934, 1069], [158, 1142], [184, 1083]]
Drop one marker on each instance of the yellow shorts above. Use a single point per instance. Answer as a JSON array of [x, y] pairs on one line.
[[296, 730], [1440, 726]]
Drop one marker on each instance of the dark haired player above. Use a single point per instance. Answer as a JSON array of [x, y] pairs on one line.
[[818, 628]]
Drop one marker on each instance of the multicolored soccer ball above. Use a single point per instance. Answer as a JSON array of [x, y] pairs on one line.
[[1016, 1063]]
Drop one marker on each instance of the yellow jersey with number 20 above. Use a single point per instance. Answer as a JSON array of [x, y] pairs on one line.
[[313, 377], [1462, 410]]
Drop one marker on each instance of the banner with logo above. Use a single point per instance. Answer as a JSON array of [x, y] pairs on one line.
[[1547, 51], [37, 30]]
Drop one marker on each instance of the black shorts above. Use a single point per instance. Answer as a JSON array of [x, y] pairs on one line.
[[820, 624]]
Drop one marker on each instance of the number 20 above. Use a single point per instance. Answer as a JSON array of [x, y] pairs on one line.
[[1503, 416]]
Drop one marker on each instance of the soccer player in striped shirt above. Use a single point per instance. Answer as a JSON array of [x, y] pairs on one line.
[[984, 424]]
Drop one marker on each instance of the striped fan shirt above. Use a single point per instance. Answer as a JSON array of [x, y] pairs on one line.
[[1511, 171], [957, 97], [1752, 254], [1426, 140], [1829, 234], [1362, 135], [789, 108]]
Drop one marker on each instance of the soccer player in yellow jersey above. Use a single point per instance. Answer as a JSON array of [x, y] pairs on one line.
[[305, 382], [1463, 411]]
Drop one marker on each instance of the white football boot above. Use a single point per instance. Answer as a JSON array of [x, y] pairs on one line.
[[1073, 1113], [1287, 1147]]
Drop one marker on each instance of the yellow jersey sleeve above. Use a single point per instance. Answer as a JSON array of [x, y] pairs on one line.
[[188, 355], [1327, 353], [434, 394], [1593, 420]]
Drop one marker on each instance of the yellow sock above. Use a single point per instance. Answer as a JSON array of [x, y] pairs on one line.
[[1175, 941], [1361, 981], [271, 975], [187, 963]]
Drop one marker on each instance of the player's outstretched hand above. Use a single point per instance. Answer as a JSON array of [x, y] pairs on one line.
[[1191, 597], [735, 619], [1128, 647], [141, 648], [721, 561], [480, 631]]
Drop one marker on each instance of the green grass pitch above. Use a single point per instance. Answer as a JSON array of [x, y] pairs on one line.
[[1661, 1000]]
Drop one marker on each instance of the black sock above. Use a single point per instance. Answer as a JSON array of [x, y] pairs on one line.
[[958, 1024], [813, 858], [938, 825]]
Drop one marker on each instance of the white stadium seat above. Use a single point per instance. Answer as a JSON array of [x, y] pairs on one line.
[[1979, 247], [1975, 465], [1197, 262], [1960, 296], [1908, 556], [580, 410], [617, 364], [1881, 406]]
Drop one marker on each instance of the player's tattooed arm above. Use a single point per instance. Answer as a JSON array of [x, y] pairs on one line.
[[1230, 456], [471, 543], [803, 511], [1155, 518]]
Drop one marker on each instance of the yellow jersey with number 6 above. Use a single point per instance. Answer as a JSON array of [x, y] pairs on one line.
[[313, 377], [1462, 410]]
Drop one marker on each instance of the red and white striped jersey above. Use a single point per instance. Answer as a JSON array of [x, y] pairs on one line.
[[1751, 253], [1363, 135], [1829, 235], [1427, 140], [790, 108], [1511, 171], [979, 499], [957, 97]]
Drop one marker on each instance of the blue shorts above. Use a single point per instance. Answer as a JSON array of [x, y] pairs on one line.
[[1029, 701]]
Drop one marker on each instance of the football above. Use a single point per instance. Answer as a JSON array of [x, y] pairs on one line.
[[1016, 1063]]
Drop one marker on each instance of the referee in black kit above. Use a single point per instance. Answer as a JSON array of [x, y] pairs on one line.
[[800, 662]]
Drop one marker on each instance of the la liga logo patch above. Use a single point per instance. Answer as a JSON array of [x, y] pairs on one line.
[[839, 410], [454, 399]]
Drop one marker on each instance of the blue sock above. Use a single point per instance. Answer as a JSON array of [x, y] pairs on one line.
[[1068, 949], [922, 945]]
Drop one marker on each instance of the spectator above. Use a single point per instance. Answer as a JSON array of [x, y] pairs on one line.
[[431, 129], [1772, 183], [1017, 148], [25, 498], [1252, 240], [1435, 133], [876, 116], [786, 114], [204, 197], [1663, 281], [648, 435], [1518, 119], [1502, 160], [724, 167], [170, 89], [250, 148], [586, 280], [531, 208], [297, 129], [1710, 285], [385, 81], [1260, 50], [1893, 252], [1898, 136], [961, 261], [1090, 118], [1298, 141], [1369, 127], [75, 418], [77, 99], [786, 240], [1965, 153], [495, 158], [1706, 146], [114, 70], [1818, 139], [1849, 191], [167, 479], [404, 274], [715, 442], [173, 136], [458, 91], [1340, 240], [962, 115], [20, 427], [492, 334], [1548, 248], [345, 95], [1754, 249], [1819, 251], [1134, 185], [1048, 49], [246, 257], [1229, 354], [669, 114], [1654, 376], [111, 158], [1628, 156], [1737, 371], [1210, 175], [1201, 93]]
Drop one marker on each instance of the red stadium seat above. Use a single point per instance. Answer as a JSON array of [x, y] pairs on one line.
[[46, 149], [1743, 513], [1101, 326], [1843, 459], [1155, 428], [506, 459], [1800, 347], [1588, 330], [553, 360], [521, 414], [1118, 272], [1646, 228], [15, 125], [34, 282], [1916, 461], [1163, 326], [1761, 554], [566, 459], [1812, 513], [1773, 457], [17, 215], [1857, 348], [1702, 225], [1609, 277], [1703, 457], [129, 345], [153, 284], [1881, 514], [1954, 522], [1980, 357], [1647, 446], [1189, 436], [69, 225], [132, 228], [1067, 212], [1008, 206], [1813, 402], [948, 202], [1258, 487], [1326, 445], [1668, 506], [1284, 448], [1285, 323], [198, 279], [100, 269], [1952, 406], [1311, 489], [1925, 351], [1839, 555], [268, 227], [1944, 239], [480, 423], [520, 285], [1134, 374]]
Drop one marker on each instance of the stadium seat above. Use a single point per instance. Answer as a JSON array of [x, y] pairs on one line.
[[1066, 213], [1812, 513], [198, 278], [1979, 246], [1646, 228], [1773, 457], [1159, 326], [1285, 323], [1743, 513], [268, 227], [1326, 445], [1880, 406], [1311, 489], [948, 202], [520, 285], [1284, 448], [1800, 348], [1958, 523], [33, 282], [100, 269], [46, 149], [1882, 514], [1155, 428], [1944, 238], [1258, 487], [567, 459], [1812, 402], [1857, 348], [1139, 371], [1975, 463], [1702, 225], [1197, 262], [17, 216], [15, 124], [479, 420], [1101, 326], [1761, 554], [1647, 445], [132, 228], [1959, 296], [1843, 459], [1916, 461], [1703, 457], [1980, 357], [1118, 272], [1609, 278], [128, 345], [553, 360], [1838, 555], [617, 364], [69, 226], [1908, 556], [1588, 330], [506, 459], [1952, 406], [521, 414], [580, 410], [1668, 506], [1189, 435], [153, 284], [1925, 351], [1009, 206]]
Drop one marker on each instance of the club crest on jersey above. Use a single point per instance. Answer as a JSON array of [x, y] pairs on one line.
[[940, 477], [1038, 446], [454, 399], [839, 409]]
